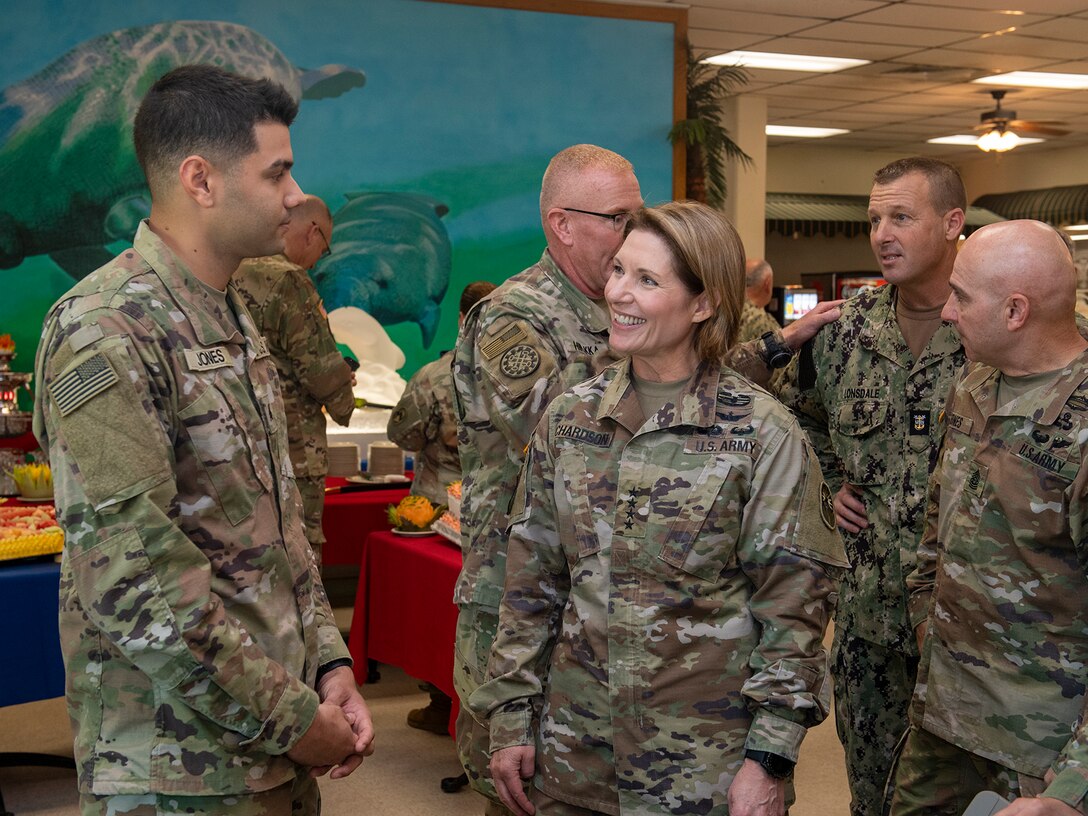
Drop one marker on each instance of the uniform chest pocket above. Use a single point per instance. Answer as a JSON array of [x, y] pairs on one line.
[[223, 456], [859, 441], [697, 521]]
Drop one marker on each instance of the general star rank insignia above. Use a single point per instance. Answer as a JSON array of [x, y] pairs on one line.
[[827, 507], [519, 361], [919, 423]]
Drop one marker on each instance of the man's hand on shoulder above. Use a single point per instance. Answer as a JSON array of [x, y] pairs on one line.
[[804, 329]]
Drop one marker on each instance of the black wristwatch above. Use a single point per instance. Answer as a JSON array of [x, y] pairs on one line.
[[776, 766], [774, 352]]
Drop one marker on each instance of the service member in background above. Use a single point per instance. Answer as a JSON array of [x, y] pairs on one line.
[[882, 372], [205, 674], [999, 590], [755, 320], [313, 374], [424, 421], [542, 331]]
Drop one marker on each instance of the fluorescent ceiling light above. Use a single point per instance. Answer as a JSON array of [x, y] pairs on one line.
[[1078, 237], [960, 139], [785, 62], [1076, 228], [803, 132], [972, 141], [1038, 79]]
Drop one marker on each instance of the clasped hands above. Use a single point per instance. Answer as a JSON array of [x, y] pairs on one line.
[[341, 734]]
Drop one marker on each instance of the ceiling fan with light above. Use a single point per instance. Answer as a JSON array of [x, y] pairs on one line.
[[999, 127]]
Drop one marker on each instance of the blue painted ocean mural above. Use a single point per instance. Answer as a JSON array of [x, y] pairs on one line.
[[426, 127]]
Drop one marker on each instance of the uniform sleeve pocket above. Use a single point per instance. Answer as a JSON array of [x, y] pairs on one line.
[[122, 595], [112, 433], [223, 453]]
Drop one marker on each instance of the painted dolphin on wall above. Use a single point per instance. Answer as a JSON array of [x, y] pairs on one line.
[[69, 180], [390, 257]]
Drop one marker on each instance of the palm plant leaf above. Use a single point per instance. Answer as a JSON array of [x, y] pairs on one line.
[[708, 86]]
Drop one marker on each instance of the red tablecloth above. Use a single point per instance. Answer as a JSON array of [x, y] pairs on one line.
[[350, 517], [404, 611]]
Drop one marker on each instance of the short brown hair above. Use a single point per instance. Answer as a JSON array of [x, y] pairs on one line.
[[709, 258], [946, 191], [473, 292]]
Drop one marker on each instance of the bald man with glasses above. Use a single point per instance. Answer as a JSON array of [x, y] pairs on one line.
[[313, 374]]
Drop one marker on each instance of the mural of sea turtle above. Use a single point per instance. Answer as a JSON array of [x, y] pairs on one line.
[[390, 257], [69, 180]]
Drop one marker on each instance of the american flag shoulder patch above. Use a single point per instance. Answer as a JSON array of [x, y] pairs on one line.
[[84, 382]]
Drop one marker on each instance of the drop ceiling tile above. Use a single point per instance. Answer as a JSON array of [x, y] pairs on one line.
[[991, 63], [1064, 28], [747, 22], [890, 35], [1025, 46], [950, 18], [804, 43]]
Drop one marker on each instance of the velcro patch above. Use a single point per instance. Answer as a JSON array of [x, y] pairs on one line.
[[86, 381], [519, 361], [599, 439], [1046, 460], [959, 423], [509, 337], [207, 358]]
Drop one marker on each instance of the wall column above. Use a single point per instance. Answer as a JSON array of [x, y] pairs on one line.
[[746, 118]]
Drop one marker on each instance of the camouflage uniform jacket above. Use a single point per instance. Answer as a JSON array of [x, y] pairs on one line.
[[668, 587], [288, 312], [193, 622], [525, 343], [424, 421], [518, 348], [754, 323], [1002, 573], [873, 418]]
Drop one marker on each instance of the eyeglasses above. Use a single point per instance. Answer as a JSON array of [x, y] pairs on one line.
[[619, 220], [328, 249]]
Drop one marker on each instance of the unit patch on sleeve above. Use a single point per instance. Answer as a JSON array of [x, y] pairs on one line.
[[520, 361], [86, 381]]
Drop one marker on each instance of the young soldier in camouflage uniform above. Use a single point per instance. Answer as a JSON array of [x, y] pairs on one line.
[[999, 589], [883, 371], [289, 314], [755, 320], [672, 566], [205, 673], [536, 335]]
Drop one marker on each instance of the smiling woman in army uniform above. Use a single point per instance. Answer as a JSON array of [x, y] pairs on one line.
[[672, 567]]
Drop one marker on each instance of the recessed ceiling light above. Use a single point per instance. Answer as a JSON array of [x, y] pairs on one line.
[[1038, 79], [785, 62], [972, 141], [803, 132]]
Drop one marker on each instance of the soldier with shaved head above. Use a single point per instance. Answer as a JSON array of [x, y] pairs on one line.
[[998, 593]]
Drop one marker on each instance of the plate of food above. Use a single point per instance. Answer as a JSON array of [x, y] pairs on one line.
[[413, 516]]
